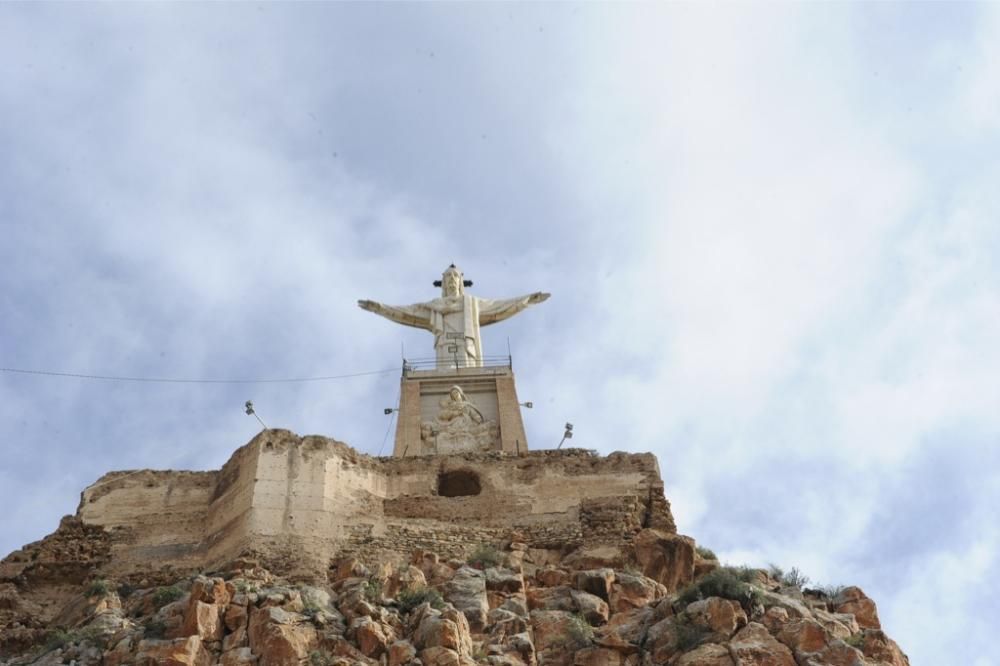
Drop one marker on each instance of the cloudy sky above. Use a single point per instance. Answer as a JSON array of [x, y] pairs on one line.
[[771, 233]]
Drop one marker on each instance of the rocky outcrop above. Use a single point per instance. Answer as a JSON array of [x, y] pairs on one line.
[[453, 614]]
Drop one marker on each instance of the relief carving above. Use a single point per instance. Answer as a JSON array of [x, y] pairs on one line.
[[458, 426]]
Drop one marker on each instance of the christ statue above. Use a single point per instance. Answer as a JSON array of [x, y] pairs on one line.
[[455, 318]]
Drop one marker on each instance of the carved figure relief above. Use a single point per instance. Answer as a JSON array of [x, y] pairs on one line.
[[458, 426]]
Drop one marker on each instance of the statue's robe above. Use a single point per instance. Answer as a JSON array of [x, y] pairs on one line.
[[455, 323]]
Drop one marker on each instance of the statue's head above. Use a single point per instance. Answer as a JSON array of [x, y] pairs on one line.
[[456, 393], [452, 282]]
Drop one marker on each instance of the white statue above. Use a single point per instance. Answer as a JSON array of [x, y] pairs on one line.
[[455, 318], [459, 425]]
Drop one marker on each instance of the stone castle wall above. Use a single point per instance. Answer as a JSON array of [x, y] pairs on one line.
[[308, 500]]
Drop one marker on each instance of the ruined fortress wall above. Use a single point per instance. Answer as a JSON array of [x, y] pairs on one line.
[[152, 515], [313, 499]]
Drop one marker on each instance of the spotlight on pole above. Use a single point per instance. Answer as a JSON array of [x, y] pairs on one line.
[[568, 434], [389, 410], [250, 412], [528, 404]]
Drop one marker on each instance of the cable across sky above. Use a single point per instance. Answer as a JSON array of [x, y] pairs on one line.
[[180, 380]]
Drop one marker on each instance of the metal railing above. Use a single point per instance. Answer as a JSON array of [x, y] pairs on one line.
[[410, 365]]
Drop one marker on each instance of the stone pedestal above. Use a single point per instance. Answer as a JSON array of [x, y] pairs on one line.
[[484, 415]]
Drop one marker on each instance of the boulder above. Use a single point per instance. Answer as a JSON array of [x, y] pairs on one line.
[[504, 580], [210, 591], [754, 646], [203, 620], [710, 654], [597, 582], [593, 609], [551, 598], [802, 636], [836, 653], [552, 577], [597, 656], [401, 653], [634, 591], [448, 629], [467, 592], [280, 638], [717, 615], [238, 657], [372, 639], [440, 656], [877, 647], [852, 600], [666, 558], [406, 578], [177, 652]]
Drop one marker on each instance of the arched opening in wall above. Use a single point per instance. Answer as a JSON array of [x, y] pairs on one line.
[[459, 483]]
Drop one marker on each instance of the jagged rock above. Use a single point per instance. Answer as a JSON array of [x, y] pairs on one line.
[[665, 557], [551, 598], [442, 656], [401, 653], [372, 638], [552, 577], [839, 626], [836, 653], [349, 568], [502, 623], [634, 591], [467, 592], [504, 580], [717, 615], [210, 591], [597, 582], [597, 656], [774, 619], [754, 646], [235, 616], [626, 631], [803, 636], [557, 636], [516, 604], [177, 652], [852, 600], [203, 620], [448, 628], [280, 638], [593, 609], [406, 578], [711, 654], [877, 647], [794, 608], [241, 656]]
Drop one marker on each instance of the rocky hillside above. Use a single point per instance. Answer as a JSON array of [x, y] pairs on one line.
[[506, 605]]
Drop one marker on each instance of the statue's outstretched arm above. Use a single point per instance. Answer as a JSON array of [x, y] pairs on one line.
[[491, 311], [417, 315]]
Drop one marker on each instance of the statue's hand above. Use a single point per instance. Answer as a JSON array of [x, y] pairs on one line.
[[538, 297], [371, 306]]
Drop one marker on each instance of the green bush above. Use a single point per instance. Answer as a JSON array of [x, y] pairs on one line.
[[410, 599], [125, 590], [320, 658], [98, 588], [579, 633], [484, 557], [706, 553], [687, 636], [58, 638], [167, 595], [856, 640], [726, 582], [791, 578], [372, 589], [246, 587], [154, 628]]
